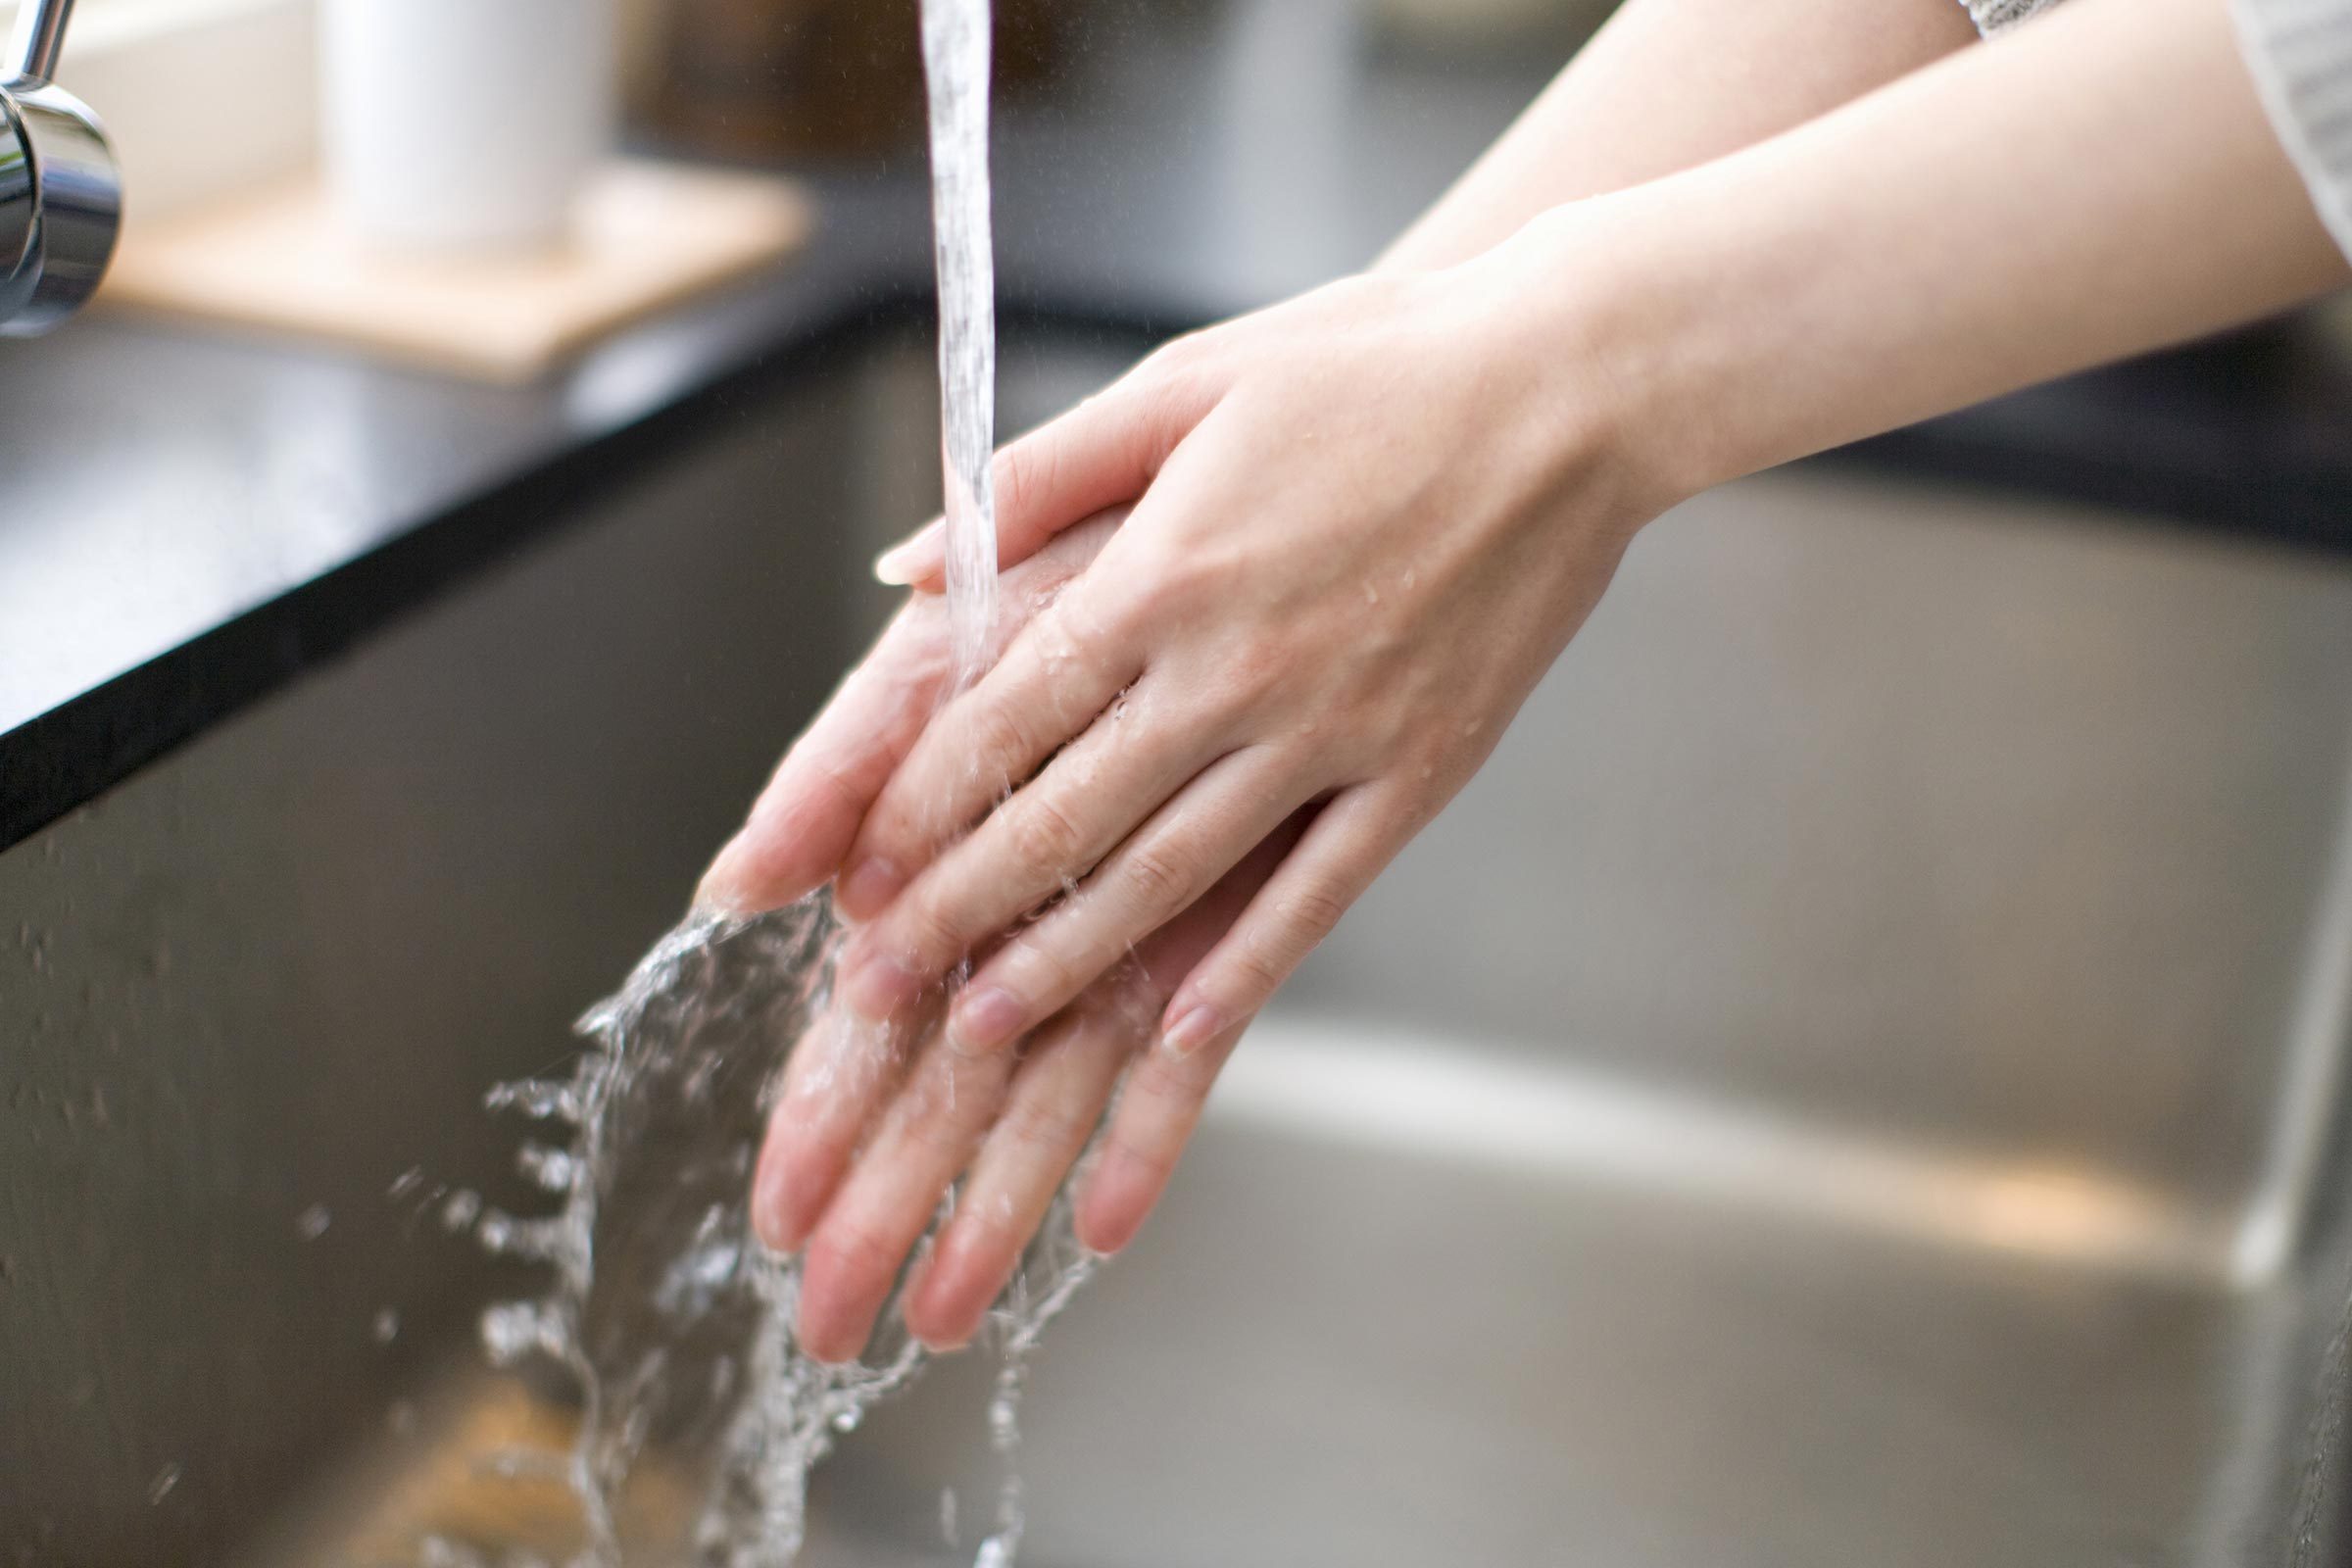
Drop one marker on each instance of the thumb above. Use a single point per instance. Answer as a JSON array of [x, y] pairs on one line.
[[1103, 453]]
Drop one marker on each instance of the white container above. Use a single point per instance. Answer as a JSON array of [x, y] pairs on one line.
[[458, 124]]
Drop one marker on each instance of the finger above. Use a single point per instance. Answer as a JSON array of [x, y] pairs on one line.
[[927, 1137], [1060, 673], [1350, 838], [1140, 884], [1052, 831], [804, 819], [1056, 1102], [810, 813], [1054, 1106], [1105, 451], [835, 1081]]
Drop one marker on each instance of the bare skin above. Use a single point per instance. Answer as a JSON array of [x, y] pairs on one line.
[[1365, 522]]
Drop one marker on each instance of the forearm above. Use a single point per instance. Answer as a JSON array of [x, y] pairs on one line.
[[1668, 84], [2099, 183]]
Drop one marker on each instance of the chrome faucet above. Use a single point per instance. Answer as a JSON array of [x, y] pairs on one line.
[[60, 195]]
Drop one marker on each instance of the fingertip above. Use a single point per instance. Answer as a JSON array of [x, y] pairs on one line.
[[825, 1340], [910, 560], [832, 1324], [775, 1219], [757, 871], [1188, 1026], [794, 1184], [722, 890], [1117, 1199], [941, 1330], [949, 1298]]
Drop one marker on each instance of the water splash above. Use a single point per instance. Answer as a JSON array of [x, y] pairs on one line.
[[671, 1323]]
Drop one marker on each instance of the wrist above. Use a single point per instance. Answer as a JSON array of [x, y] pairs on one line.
[[1629, 366]]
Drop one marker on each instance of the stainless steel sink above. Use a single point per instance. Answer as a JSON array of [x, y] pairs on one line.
[[1856, 1081]]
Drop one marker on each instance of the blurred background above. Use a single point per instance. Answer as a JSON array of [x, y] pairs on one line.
[[1858, 1079]]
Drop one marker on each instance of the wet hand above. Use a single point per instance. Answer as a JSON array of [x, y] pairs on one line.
[[1364, 523]]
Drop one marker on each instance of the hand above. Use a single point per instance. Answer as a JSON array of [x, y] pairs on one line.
[[1369, 520], [1015, 1127]]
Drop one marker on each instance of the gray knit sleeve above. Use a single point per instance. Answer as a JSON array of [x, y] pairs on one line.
[[1993, 15], [2300, 55]]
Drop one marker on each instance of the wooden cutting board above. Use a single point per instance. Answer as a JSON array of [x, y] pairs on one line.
[[648, 235]]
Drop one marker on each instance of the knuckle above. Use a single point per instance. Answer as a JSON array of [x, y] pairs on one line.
[[1157, 881], [1043, 834], [946, 1130], [999, 738], [1155, 1159], [1046, 1130], [1310, 914], [829, 780], [1259, 965], [1047, 974], [1079, 635], [1028, 469], [1172, 357], [933, 931]]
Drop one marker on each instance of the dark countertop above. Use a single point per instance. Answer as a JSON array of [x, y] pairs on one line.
[[187, 518]]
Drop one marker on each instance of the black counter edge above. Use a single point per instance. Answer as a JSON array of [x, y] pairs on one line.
[[74, 751]]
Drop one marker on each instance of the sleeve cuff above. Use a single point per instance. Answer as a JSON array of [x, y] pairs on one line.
[[2300, 55], [1992, 16]]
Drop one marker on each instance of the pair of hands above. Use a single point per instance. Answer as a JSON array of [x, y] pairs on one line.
[[1362, 525]]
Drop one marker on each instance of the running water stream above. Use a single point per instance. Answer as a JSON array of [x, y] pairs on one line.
[[666, 1317], [956, 71]]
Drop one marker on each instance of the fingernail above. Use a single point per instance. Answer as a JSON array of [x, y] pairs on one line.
[[903, 562], [1188, 1034], [720, 892], [984, 1019], [769, 1218], [871, 886], [877, 986]]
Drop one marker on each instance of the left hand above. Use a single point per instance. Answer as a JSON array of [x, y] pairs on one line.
[[1365, 524]]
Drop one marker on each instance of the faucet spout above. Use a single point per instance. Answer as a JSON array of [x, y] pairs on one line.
[[40, 37], [61, 194]]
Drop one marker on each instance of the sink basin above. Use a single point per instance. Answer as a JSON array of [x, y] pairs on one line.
[[1856, 1081]]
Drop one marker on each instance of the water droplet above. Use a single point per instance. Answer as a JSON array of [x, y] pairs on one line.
[[552, 1168], [465, 1205], [312, 1222], [161, 1486], [539, 1098], [386, 1327], [511, 1330]]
